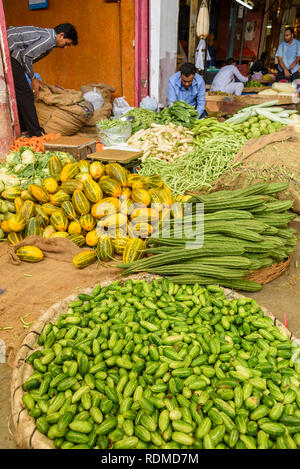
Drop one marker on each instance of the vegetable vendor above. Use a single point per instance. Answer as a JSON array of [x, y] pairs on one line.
[[259, 69], [288, 54], [224, 79], [27, 45], [187, 85]]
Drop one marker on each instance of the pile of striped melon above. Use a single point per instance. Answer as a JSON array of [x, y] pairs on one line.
[[104, 207]]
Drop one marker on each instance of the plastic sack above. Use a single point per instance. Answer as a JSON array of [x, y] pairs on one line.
[[95, 98], [120, 107], [149, 103], [114, 136]]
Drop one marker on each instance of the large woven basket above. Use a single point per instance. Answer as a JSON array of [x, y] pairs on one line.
[[267, 274], [26, 434]]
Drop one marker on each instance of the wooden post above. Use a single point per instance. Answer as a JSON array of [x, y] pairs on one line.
[[194, 9]]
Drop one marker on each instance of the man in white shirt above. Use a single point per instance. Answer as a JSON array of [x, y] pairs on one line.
[[224, 80]]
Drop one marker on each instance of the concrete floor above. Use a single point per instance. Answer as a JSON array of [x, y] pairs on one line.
[[280, 296]]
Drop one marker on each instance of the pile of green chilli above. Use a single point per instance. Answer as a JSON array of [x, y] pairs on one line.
[[165, 366]]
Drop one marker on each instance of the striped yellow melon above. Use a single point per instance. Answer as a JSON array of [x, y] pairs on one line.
[[49, 209], [55, 167], [114, 221], [92, 190], [17, 222], [153, 181], [126, 206], [14, 238], [74, 228], [97, 170], [60, 221], [111, 187], [140, 184], [117, 172], [40, 194], [133, 250], [126, 192], [87, 222], [30, 254], [166, 195], [105, 249], [165, 214], [84, 166], [69, 209], [11, 193], [104, 207], [131, 178], [25, 195], [18, 204], [50, 184], [84, 259], [69, 171], [5, 226], [141, 196], [140, 228], [60, 234], [91, 239], [77, 239], [41, 216], [145, 214], [81, 177], [67, 161], [119, 244], [28, 209], [59, 197], [81, 203], [48, 231], [33, 227], [71, 185], [177, 210]]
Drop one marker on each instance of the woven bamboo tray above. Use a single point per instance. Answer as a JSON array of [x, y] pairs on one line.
[[26, 434], [267, 274]]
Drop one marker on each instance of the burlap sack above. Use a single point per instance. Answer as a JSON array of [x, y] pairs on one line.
[[62, 111], [271, 158], [30, 289], [26, 434]]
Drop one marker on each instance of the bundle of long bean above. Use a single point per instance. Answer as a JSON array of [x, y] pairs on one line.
[[243, 230], [199, 168]]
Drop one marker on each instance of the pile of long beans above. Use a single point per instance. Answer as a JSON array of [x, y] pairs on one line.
[[163, 366], [199, 168]]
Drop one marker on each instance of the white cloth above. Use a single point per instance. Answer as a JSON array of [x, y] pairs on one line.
[[234, 88], [200, 55], [225, 77]]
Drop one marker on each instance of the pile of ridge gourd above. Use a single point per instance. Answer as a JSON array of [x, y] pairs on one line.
[[243, 230], [159, 365]]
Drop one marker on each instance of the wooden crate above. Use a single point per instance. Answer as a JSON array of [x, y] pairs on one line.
[[78, 147]]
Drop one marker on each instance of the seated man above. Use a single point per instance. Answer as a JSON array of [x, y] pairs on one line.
[[224, 79], [187, 85]]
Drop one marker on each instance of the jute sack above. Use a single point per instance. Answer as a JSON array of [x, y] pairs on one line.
[[26, 434], [62, 111]]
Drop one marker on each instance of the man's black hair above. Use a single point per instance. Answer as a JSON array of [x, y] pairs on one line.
[[230, 61], [289, 28], [188, 69], [263, 57], [69, 32]]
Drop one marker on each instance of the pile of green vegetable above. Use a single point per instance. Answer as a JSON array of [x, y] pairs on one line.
[[179, 113], [253, 84], [143, 118], [211, 127], [111, 123], [261, 119], [27, 167], [198, 169], [165, 366], [243, 231]]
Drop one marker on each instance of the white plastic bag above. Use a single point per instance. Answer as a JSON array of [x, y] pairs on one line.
[[95, 98], [149, 103], [120, 107]]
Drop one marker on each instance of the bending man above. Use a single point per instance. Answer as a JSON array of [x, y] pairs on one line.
[[224, 79]]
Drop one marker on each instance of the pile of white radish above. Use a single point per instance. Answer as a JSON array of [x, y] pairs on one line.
[[165, 142]]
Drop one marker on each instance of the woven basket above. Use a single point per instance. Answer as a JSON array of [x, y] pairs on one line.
[[267, 274], [26, 434]]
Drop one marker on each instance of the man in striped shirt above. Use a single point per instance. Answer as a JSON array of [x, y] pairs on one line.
[[27, 45], [224, 79]]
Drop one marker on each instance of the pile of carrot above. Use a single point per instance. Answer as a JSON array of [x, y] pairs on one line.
[[35, 143]]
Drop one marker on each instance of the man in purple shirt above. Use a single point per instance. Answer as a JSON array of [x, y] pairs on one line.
[[187, 85]]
